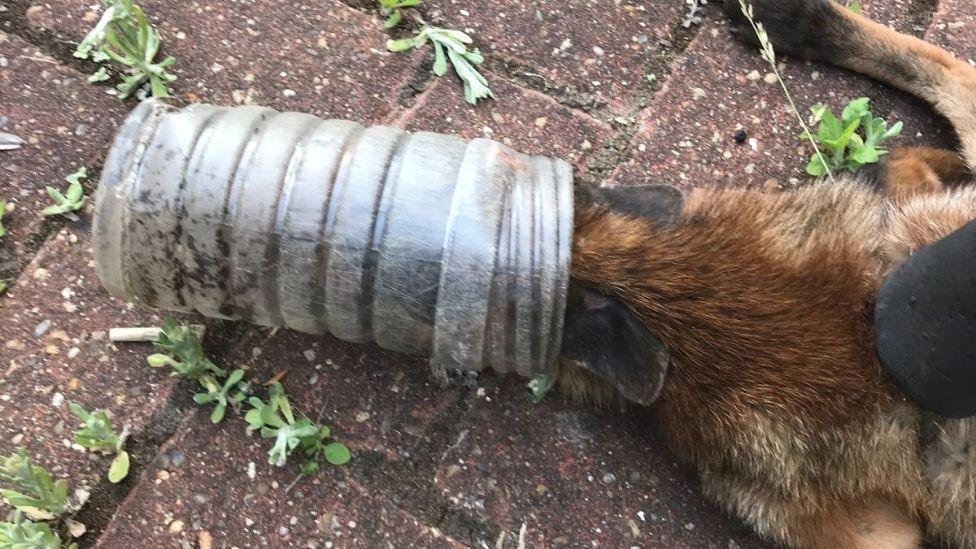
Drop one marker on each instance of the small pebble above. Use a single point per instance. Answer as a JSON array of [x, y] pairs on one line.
[[42, 328], [75, 528], [176, 457]]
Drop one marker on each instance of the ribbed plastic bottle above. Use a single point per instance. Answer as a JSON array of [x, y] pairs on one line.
[[420, 242]]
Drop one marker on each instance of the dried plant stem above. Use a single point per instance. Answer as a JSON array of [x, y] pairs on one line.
[[769, 54]]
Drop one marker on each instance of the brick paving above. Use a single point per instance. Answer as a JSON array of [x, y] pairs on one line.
[[55, 350], [66, 123], [625, 91], [686, 135]]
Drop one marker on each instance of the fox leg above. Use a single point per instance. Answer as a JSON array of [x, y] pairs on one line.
[[912, 171], [814, 521]]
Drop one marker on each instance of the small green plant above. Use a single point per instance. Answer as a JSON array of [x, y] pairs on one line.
[[855, 7], [124, 35], [3, 210], [768, 54], [30, 488], [97, 434], [36, 498], [275, 419], [181, 342], [231, 392], [73, 198], [450, 45], [187, 358], [540, 385], [22, 533], [851, 141], [391, 9]]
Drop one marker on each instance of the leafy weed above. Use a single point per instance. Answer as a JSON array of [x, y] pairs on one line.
[[124, 35], [97, 434], [72, 200], [851, 141]]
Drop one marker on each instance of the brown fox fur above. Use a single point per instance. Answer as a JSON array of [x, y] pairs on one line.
[[764, 301]]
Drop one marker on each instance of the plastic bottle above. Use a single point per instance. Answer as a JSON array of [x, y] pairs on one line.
[[423, 243]]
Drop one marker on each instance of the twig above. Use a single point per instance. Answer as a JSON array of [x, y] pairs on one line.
[[766, 52], [293, 483], [40, 59]]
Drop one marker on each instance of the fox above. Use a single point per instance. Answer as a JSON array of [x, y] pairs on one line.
[[743, 320]]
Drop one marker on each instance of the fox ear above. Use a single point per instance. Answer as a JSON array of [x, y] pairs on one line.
[[605, 337], [659, 204]]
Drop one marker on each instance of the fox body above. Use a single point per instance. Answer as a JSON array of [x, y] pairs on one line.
[[759, 305]]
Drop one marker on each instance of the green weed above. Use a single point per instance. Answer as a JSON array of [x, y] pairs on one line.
[[124, 35]]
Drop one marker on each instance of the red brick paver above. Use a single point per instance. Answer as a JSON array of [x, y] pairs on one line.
[[54, 349], [954, 27], [214, 482], [383, 405], [522, 119], [575, 477], [324, 57], [598, 48], [66, 123], [686, 134]]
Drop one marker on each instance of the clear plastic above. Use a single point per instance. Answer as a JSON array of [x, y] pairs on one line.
[[423, 243]]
